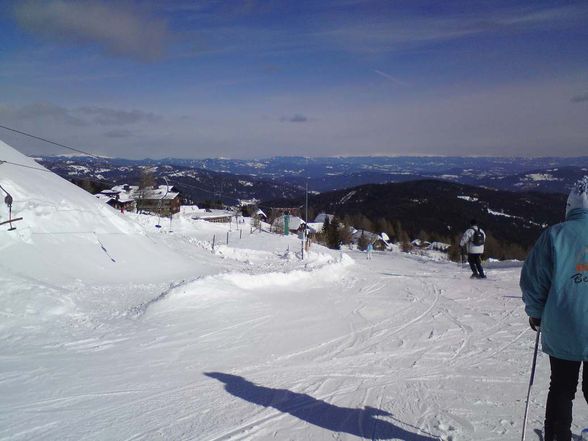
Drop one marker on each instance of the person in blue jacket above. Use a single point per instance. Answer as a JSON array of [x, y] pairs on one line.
[[554, 282]]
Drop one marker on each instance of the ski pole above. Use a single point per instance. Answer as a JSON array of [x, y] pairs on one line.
[[531, 383]]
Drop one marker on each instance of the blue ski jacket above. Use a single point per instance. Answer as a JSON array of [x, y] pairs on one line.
[[554, 282]]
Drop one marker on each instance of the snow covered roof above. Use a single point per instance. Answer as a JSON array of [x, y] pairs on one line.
[[103, 197], [124, 187], [108, 192], [213, 214], [161, 192], [322, 216], [123, 197], [366, 234], [315, 227], [191, 209], [115, 195]]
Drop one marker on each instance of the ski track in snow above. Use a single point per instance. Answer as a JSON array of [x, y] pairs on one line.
[[439, 353]]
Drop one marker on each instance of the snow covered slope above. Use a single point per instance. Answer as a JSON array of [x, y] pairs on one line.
[[67, 239], [68, 233], [177, 341]]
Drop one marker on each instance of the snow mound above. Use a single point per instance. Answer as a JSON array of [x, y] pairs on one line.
[[230, 283]]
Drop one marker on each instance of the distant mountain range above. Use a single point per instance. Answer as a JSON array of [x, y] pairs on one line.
[[276, 177], [514, 198], [195, 184], [444, 208]]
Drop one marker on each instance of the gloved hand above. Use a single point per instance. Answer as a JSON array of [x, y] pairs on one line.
[[535, 323]]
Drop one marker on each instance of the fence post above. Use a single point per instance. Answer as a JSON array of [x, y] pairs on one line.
[[240, 234], [227, 237], [213, 240]]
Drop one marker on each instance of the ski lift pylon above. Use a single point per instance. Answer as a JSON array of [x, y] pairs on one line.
[[8, 201]]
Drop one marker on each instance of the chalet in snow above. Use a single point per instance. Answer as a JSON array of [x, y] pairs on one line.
[[296, 223], [293, 223], [320, 218], [261, 215], [378, 242], [161, 199]]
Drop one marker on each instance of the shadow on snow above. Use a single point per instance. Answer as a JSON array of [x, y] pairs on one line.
[[358, 422]]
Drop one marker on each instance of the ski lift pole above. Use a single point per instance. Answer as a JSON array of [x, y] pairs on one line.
[[161, 205], [531, 383], [171, 214], [302, 246], [8, 200]]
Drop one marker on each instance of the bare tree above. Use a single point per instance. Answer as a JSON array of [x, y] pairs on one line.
[[146, 183]]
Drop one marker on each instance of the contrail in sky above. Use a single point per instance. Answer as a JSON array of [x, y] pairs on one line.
[[391, 78]]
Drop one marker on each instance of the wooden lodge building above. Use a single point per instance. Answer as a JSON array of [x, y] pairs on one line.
[[159, 199]]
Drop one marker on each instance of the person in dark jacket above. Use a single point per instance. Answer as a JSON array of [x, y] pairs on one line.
[[554, 282], [473, 239]]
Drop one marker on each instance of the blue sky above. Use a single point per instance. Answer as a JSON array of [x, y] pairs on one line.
[[257, 78]]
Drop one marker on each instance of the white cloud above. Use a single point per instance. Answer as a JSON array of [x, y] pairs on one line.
[[46, 112], [119, 30], [82, 116], [397, 32], [117, 117]]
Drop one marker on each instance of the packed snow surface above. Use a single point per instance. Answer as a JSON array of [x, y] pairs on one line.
[[113, 329]]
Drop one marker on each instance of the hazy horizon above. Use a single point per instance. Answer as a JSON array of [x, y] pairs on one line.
[[65, 155]]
